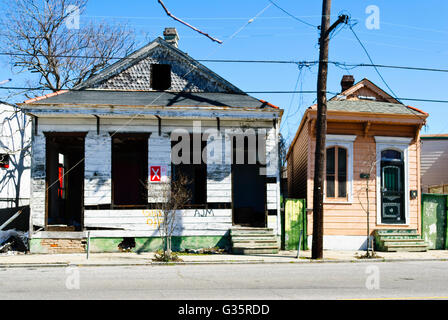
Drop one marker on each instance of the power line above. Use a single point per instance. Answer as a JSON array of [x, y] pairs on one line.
[[371, 61], [292, 16], [296, 62], [252, 92]]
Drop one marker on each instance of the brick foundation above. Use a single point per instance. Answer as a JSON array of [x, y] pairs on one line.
[[63, 245]]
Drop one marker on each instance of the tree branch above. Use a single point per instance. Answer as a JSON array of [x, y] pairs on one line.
[[188, 25]]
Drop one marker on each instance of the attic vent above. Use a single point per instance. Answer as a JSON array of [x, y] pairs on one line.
[[366, 98], [160, 76]]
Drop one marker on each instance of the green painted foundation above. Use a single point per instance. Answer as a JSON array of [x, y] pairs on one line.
[[147, 244]]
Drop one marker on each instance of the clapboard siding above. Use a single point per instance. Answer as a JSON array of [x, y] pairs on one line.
[[97, 172], [297, 166], [271, 196], [219, 175], [159, 154], [187, 222], [350, 218], [38, 174]]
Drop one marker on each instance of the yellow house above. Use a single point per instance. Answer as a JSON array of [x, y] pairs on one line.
[[372, 139]]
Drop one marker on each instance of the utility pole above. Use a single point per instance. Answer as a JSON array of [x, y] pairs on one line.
[[321, 129]]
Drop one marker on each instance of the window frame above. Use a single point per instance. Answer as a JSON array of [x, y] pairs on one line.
[[193, 166], [346, 142], [336, 173]]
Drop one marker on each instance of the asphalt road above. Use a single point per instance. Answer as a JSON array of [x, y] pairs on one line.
[[411, 280]]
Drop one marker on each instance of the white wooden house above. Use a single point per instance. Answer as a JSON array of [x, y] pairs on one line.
[[15, 141], [98, 148]]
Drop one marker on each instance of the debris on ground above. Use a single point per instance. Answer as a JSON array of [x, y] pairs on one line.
[[214, 250], [13, 241], [372, 255], [160, 256]]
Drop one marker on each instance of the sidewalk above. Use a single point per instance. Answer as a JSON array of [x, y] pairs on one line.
[[130, 259]]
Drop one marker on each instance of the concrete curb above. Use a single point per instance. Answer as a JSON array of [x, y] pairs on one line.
[[151, 263]]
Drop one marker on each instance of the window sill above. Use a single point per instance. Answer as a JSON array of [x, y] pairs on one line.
[[393, 224], [338, 202]]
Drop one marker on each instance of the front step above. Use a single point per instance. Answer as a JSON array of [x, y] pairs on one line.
[[393, 240], [253, 241]]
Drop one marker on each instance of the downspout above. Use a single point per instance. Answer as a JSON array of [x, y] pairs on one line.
[[276, 128]]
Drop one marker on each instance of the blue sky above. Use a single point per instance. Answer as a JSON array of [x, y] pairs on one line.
[[411, 33]]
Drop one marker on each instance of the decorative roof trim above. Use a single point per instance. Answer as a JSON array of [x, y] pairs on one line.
[[145, 52]]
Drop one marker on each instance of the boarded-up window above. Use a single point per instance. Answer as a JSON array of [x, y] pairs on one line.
[[196, 173], [160, 76], [336, 172], [130, 169]]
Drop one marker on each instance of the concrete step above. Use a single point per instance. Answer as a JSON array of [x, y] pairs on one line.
[[408, 242], [254, 243], [255, 250], [242, 231], [254, 236], [406, 247], [255, 240], [396, 231], [398, 236]]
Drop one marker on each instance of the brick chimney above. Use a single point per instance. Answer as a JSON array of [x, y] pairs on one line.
[[347, 82], [171, 36]]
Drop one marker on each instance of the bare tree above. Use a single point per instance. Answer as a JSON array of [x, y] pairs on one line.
[[172, 197], [368, 174], [41, 39]]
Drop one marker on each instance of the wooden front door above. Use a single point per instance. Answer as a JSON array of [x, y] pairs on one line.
[[392, 187]]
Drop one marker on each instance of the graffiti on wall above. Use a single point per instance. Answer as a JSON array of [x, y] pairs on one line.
[[204, 213], [153, 217]]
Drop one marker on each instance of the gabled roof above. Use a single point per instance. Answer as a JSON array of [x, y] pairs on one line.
[[133, 72], [153, 99], [363, 97], [368, 106], [366, 87]]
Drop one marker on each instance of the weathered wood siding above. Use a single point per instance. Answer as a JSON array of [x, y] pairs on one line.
[[187, 223], [15, 140], [38, 174], [219, 169], [297, 166], [272, 169], [159, 154], [98, 168], [97, 163]]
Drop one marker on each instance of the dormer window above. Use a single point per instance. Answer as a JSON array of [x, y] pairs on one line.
[[160, 76]]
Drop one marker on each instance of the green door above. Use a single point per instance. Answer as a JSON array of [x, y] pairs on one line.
[[434, 215], [392, 187]]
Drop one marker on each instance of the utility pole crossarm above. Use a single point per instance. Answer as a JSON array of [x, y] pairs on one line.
[[343, 18]]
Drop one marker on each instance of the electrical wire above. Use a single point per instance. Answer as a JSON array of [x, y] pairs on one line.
[[292, 16]]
